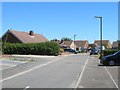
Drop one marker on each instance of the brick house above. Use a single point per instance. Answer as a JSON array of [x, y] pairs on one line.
[[78, 44], [13, 36], [115, 44], [67, 44], [82, 44], [105, 43]]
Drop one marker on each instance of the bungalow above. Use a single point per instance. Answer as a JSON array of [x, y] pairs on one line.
[[105, 43], [91, 46], [79, 44], [82, 44], [115, 44], [13, 36], [68, 44]]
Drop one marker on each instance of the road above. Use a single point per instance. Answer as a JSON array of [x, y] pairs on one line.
[[72, 71]]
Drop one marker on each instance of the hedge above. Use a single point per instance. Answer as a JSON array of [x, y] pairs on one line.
[[109, 52], [44, 48]]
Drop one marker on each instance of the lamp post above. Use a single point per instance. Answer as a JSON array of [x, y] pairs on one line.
[[99, 17], [74, 42]]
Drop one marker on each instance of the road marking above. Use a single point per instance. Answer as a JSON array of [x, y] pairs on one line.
[[7, 67], [80, 77], [26, 87], [29, 70], [111, 77]]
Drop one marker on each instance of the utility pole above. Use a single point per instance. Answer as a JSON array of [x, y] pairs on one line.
[[74, 42], [100, 36]]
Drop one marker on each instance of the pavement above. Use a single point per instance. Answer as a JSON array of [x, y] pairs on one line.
[[67, 71], [9, 61], [6, 63]]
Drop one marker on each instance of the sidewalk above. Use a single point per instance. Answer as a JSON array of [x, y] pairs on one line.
[[32, 56]]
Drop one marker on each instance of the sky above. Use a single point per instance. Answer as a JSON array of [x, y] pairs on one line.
[[119, 21], [62, 19]]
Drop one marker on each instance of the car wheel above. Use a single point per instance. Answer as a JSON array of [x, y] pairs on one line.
[[111, 62]]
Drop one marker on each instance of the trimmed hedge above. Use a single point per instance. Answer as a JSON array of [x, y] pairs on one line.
[[44, 48], [109, 52]]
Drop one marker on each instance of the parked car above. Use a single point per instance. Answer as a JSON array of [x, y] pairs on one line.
[[71, 50], [113, 59], [94, 51]]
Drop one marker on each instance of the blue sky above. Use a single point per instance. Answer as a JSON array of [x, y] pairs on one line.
[[62, 19]]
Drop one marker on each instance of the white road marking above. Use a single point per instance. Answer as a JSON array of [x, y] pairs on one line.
[[26, 87], [80, 77], [111, 77], [7, 67], [29, 70]]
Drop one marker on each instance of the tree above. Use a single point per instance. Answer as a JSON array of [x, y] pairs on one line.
[[66, 39], [54, 40]]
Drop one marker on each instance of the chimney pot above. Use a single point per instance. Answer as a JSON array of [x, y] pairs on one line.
[[31, 33]]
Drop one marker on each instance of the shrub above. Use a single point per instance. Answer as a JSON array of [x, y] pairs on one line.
[[61, 50], [44, 48], [109, 52]]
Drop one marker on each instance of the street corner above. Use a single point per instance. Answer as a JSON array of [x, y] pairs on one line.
[[6, 63]]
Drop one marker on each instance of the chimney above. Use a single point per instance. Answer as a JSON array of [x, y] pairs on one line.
[[62, 41], [31, 33]]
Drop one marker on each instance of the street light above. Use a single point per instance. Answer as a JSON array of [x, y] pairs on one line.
[[74, 42], [99, 17]]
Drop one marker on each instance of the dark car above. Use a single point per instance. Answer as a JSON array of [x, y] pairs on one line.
[[71, 50], [94, 51], [113, 59]]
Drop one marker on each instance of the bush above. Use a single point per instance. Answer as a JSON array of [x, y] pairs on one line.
[[61, 50], [109, 52], [44, 48]]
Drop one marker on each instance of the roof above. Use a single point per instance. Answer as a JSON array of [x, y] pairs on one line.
[[81, 43], [103, 42], [115, 44], [66, 43], [24, 37], [57, 41], [91, 45]]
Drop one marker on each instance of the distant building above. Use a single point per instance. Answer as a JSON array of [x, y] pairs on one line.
[[13, 36], [91, 46], [105, 43], [82, 44], [79, 44], [67, 44], [115, 44]]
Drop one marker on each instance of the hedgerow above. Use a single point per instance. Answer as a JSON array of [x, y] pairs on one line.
[[44, 48]]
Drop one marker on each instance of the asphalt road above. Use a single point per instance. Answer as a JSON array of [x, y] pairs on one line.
[[74, 71]]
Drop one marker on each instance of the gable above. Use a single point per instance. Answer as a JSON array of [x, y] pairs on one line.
[[104, 42], [82, 43], [9, 37], [25, 37]]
